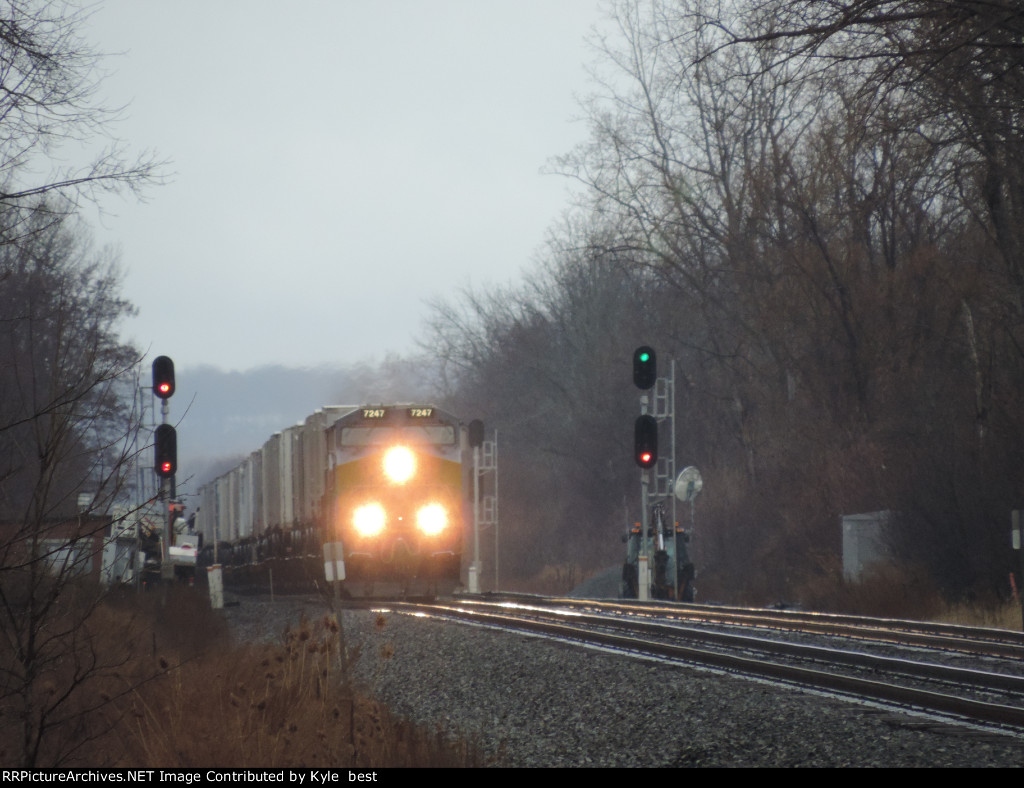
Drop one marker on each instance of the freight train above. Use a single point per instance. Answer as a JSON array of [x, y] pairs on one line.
[[386, 482]]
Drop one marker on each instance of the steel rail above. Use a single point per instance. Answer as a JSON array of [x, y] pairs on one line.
[[972, 640], [979, 711], [982, 680], [954, 631]]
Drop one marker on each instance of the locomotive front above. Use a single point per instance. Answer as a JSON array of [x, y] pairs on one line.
[[396, 483]]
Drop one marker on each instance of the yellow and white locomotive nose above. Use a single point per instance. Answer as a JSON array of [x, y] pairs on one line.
[[399, 464]]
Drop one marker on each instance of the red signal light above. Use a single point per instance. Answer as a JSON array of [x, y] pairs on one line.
[[646, 441], [165, 447], [163, 377]]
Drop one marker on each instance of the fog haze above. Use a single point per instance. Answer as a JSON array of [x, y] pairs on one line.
[[333, 165]]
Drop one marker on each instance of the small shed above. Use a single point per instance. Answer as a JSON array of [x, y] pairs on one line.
[[864, 543]]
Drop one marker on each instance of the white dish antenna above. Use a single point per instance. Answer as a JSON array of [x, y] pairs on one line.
[[688, 484]]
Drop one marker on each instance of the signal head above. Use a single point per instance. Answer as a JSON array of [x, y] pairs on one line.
[[476, 433], [646, 441], [645, 367], [163, 377], [165, 451]]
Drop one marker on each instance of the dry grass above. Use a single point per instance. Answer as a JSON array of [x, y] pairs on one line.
[[553, 579], [287, 705], [903, 593], [885, 593], [1001, 616], [189, 697]]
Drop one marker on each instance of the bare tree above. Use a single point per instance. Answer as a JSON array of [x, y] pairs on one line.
[[66, 430], [547, 364], [816, 222], [49, 100], [956, 70], [813, 200]]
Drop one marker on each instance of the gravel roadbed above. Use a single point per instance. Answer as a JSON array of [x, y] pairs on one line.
[[534, 703]]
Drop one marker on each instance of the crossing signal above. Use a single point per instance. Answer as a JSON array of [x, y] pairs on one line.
[[163, 377], [646, 441], [165, 451], [645, 368]]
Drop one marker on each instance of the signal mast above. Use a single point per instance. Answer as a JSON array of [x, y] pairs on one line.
[[165, 452]]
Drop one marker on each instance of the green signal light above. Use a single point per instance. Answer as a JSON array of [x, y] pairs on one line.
[[645, 372]]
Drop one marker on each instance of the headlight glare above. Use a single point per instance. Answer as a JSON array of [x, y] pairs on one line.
[[432, 519], [369, 519], [399, 464]]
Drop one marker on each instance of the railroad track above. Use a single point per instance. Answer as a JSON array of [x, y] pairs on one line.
[[908, 665], [971, 641]]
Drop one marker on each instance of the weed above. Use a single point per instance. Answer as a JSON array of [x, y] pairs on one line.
[[188, 697]]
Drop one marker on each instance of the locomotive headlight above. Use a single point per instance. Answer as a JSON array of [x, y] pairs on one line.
[[432, 519], [369, 519], [399, 464]]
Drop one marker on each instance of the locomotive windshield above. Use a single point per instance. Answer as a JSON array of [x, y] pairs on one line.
[[370, 436]]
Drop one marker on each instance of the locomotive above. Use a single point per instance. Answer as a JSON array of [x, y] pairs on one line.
[[385, 481]]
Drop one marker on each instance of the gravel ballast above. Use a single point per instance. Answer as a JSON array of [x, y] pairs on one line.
[[530, 702]]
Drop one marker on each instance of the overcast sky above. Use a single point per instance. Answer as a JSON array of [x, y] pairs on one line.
[[335, 163]]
